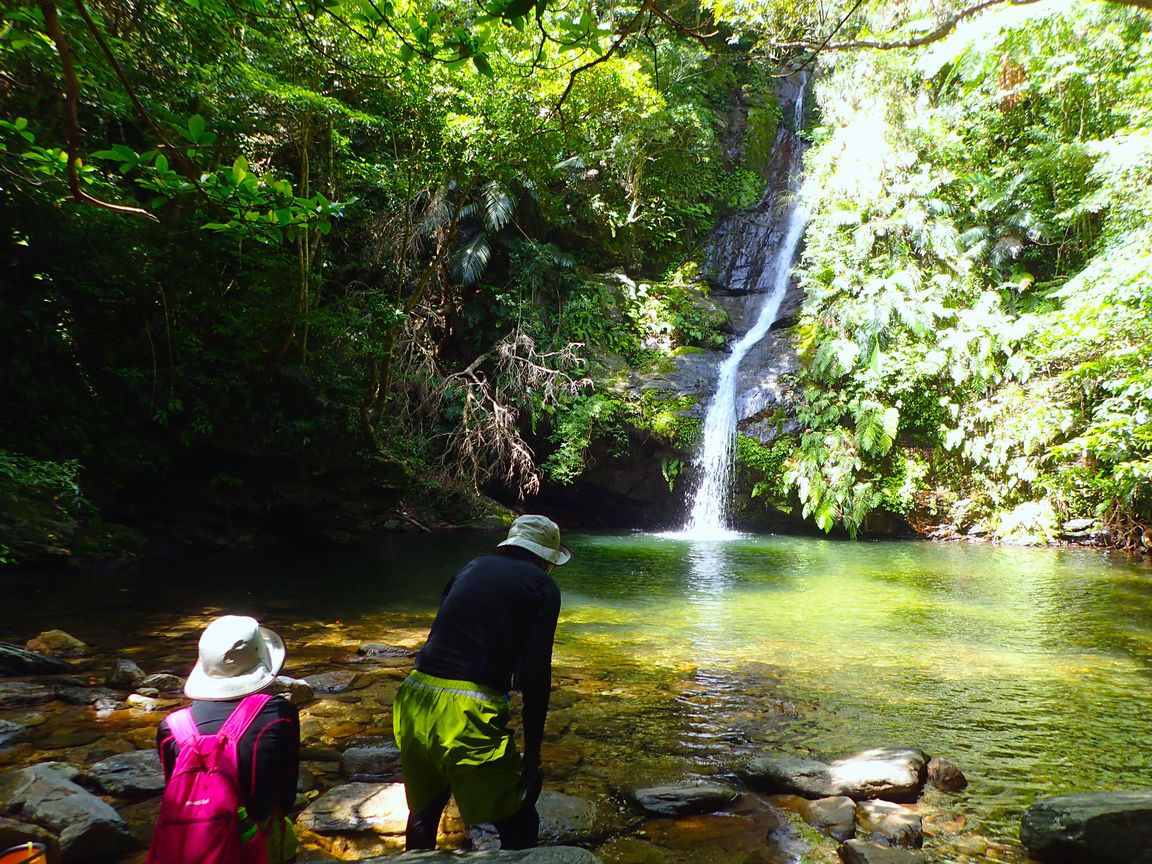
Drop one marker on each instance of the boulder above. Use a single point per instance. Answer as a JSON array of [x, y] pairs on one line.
[[17, 694], [11, 733], [945, 776], [295, 690], [1091, 828], [889, 824], [90, 831], [371, 760], [682, 799], [786, 775], [832, 817], [15, 660], [564, 819], [893, 774], [129, 775], [124, 675], [541, 855], [861, 852], [356, 807], [58, 643], [165, 682]]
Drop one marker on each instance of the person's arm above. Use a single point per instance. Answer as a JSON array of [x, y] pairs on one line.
[[166, 747], [534, 675], [275, 760]]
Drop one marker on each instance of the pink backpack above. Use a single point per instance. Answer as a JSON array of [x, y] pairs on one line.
[[198, 822]]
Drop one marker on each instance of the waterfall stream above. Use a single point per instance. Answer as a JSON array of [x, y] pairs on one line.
[[708, 519]]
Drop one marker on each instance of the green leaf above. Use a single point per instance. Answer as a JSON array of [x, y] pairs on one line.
[[196, 126], [482, 65]]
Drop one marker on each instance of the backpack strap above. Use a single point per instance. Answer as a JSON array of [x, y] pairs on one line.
[[182, 726], [243, 715]]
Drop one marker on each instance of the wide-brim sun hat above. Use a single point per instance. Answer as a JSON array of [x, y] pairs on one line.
[[540, 536], [237, 658]]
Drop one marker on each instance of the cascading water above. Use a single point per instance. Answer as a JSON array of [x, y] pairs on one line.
[[708, 515]]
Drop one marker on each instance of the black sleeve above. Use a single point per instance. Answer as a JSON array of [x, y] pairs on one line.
[[166, 747], [534, 673]]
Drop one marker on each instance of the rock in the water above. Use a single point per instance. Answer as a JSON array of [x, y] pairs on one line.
[[565, 819], [355, 807], [540, 855], [682, 799], [16, 694], [58, 643], [894, 774], [370, 761], [90, 831], [15, 660], [336, 682], [124, 675], [832, 817], [1092, 828], [889, 824], [165, 682], [295, 690], [861, 852], [787, 775], [130, 775], [11, 733], [945, 776]]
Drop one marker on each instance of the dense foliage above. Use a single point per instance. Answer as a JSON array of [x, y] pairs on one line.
[[273, 258], [979, 278]]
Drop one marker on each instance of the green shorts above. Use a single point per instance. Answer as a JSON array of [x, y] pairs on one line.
[[454, 735]]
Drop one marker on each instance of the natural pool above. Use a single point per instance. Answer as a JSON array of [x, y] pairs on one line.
[[1030, 669]]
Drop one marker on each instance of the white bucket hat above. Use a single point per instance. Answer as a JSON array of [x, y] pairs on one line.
[[539, 535], [238, 657]]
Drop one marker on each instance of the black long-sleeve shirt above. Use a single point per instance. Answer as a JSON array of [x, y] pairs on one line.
[[268, 752], [495, 626]]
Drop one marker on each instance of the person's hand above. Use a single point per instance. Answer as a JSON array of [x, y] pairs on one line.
[[533, 781]]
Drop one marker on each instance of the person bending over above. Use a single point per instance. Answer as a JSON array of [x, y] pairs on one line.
[[493, 633]]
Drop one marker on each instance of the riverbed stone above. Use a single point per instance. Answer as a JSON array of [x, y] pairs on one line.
[[124, 675], [90, 831], [788, 775], [379, 808], [336, 682], [101, 697], [833, 817], [1091, 828], [165, 682], [894, 774], [679, 799], [16, 694], [15, 660], [371, 760], [945, 776], [889, 824], [295, 690], [862, 852], [11, 733], [540, 855], [565, 819], [57, 643], [138, 774]]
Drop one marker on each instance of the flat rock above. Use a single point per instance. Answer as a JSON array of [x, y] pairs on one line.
[[1091, 828], [787, 775], [355, 807], [129, 775], [894, 774], [11, 733], [90, 831], [15, 660], [862, 852], [371, 760], [681, 799], [57, 643], [832, 817], [336, 682], [540, 855], [165, 682], [889, 824]]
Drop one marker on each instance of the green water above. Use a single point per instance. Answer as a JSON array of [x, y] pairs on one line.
[[1030, 669]]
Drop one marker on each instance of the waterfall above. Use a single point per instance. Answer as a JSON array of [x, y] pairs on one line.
[[709, 510]]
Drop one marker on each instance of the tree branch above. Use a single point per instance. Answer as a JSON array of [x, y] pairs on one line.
[[72, 115]]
